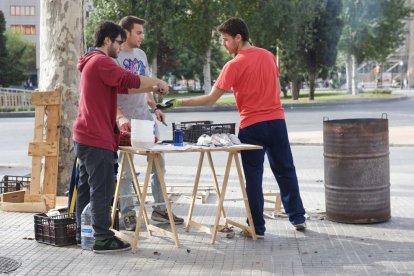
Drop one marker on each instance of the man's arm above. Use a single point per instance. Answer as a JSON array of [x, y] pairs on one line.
[[150, 101], [153, 105], [209, 99], [141, 90], [150, 84], [124, 124]]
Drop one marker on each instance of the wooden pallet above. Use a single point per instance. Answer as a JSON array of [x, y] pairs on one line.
[[277, 202], [203, 190], [45, 152]]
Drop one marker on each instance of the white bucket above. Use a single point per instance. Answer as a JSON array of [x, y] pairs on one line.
[[142, 133]]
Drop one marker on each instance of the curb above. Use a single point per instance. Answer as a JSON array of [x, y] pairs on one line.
[[220, 108], [285, 106], [27, 114]]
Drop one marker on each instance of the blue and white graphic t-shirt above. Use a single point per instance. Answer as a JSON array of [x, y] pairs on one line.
[[135, 106]]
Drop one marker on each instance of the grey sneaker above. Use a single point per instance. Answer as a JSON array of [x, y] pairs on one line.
[[163, 217], [130, 220], [300, 226]]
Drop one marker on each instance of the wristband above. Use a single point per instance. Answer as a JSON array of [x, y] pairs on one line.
[[155, 109]]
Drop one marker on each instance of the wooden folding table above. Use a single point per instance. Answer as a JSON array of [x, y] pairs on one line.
[[153, 155]]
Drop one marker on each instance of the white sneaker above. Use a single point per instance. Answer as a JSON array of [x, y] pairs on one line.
[[259, 236]]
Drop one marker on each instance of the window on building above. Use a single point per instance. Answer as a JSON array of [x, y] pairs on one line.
[[22, 10], [23, 29]]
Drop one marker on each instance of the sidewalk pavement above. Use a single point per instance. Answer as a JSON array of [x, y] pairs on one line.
[[325, 248]]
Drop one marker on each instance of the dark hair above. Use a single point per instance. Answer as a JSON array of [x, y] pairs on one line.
[[234, 26], [128, 22], [108, 29]]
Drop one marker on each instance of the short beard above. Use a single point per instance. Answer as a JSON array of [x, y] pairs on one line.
[[112, 52]]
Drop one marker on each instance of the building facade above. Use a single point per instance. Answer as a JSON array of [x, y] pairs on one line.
[[23, 17]]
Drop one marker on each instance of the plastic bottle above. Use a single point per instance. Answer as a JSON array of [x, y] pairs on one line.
[[178, 137], [87, 239]]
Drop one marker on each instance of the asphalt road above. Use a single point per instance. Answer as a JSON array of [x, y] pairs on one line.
[[16, 133]]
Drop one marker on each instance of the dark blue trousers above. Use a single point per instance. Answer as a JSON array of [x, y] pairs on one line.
[[273, 137]]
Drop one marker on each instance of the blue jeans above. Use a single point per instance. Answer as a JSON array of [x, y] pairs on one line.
[[273, 137], [96, 185]]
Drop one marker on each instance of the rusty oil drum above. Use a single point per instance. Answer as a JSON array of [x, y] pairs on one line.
[[357, 170]]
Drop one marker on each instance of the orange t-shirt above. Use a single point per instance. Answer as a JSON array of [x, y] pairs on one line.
[[252, 75]]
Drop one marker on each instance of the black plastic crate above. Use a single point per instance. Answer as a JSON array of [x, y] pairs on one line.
[[11, 183], [56, 230], [193, 130]]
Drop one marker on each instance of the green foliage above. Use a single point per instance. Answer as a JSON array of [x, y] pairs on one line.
[[198, 20], [373, 29], [4, 58], [178, 32], [169, 25], [379, 91], [189, 64], [14, 56], [21, 49], [319, 51]]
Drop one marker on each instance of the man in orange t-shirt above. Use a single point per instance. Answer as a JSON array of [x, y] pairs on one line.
[[253, 76]]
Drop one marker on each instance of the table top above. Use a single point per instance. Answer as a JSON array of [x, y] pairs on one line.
[[168, 148]]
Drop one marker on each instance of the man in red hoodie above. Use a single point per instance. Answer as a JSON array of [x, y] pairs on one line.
[[95, 131]]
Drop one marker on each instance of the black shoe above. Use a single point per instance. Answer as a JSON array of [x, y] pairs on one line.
[[110, 245], [163, 217]]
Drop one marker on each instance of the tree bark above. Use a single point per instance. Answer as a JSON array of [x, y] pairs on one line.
[[207, 72], [154, 67], [154, 71], [410, 54], [312, 77], [348, 66], [295, 87], [61, 40], [354, 76]]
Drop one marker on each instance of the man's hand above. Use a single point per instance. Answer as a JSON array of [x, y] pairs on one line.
[[173, 103], [161, 88], [160, 115], [124, 124]]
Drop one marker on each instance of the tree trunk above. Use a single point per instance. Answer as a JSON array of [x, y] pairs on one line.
[[154, 70], [312, 77], [410, 54], [61, 40], [354, 76], [207, 72], [154, 67], [348, 73], [295, 87]]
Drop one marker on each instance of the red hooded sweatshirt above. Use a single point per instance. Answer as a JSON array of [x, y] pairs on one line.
[[101, 77]]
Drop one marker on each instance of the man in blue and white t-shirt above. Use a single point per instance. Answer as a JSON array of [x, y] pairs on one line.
[[136, 107]]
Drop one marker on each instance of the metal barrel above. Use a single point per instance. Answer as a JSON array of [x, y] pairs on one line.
[[357, 170]]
